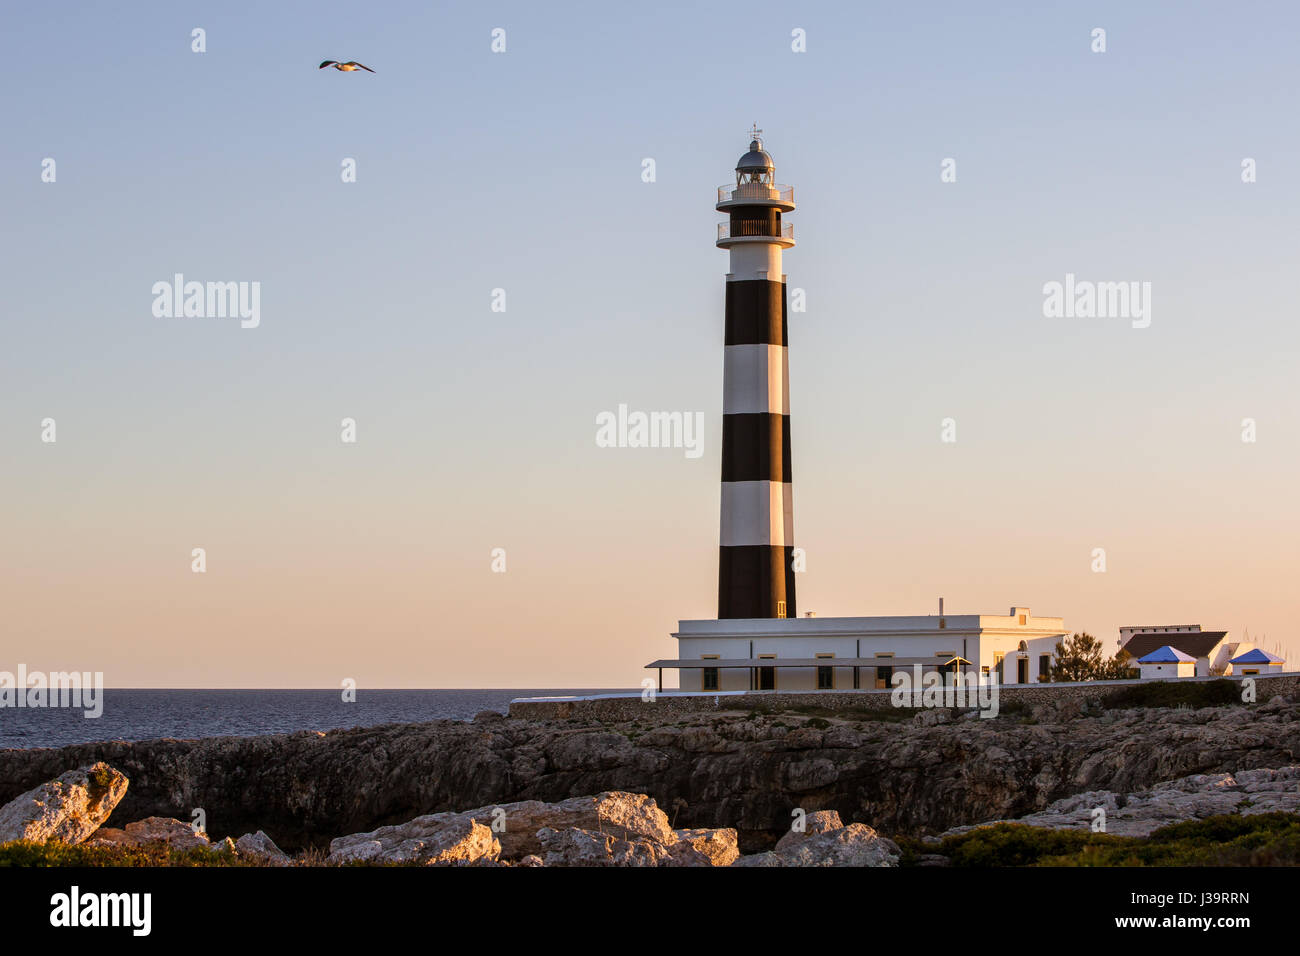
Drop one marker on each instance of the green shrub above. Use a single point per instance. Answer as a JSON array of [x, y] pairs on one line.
[[1265, 839], [1215, 693], [54, 853]]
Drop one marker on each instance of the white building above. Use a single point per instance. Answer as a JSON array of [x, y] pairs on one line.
[[1257, 661], [845, 653], [1211, 650], [1166, 662]]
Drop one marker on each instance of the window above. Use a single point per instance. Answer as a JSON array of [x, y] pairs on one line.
[[999, 667], [884, 673], [780, 609], [1022, 619], [709, 680], [825, 675]]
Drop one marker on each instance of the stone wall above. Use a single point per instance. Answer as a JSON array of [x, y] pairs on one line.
[[632, 707]]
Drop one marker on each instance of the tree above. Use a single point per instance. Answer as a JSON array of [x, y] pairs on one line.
[[1079, 658], [1119, 667]]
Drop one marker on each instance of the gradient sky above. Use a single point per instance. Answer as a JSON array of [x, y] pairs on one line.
[[476, 429]]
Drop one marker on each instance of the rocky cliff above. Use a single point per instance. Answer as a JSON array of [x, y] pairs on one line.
[[923, 775]]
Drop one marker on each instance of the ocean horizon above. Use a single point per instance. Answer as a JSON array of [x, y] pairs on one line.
[[151, 713]]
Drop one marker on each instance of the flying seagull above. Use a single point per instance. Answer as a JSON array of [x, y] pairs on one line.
[[347, 67]]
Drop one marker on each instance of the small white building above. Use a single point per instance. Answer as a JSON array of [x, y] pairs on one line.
[[845, 653], [1165, 662], [1257, 661]]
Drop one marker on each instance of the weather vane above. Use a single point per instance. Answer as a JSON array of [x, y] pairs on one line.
[[755, 132]]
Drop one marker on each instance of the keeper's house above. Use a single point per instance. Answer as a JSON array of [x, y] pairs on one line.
[[1213, 652], [847, 653]]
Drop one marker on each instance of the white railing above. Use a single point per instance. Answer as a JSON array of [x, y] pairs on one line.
[[759, 191], [754, 230]]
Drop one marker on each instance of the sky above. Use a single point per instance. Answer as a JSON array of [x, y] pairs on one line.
[[524, 171]]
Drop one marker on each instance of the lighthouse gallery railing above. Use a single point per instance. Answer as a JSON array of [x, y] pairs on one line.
[[746, 229], [756, 191]]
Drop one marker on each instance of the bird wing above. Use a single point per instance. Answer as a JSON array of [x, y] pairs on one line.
[[328, 63], [362, 65]]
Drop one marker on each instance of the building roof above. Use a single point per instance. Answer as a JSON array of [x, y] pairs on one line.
[[756, 158], [1167, 655], [1195, 643], [1257, 656]]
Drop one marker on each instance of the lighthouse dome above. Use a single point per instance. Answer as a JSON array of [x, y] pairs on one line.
[[757, 159]]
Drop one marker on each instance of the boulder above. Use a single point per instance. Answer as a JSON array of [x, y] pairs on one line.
[[854, 845], [818, 821], [703, 847], [168, 830], [69, 808], [439, 839], [109, 836], [260, 845], [629, 816], [576, 847], [759, 859]]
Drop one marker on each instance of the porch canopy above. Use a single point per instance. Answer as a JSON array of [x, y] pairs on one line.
[[753, 664], [695, 662]]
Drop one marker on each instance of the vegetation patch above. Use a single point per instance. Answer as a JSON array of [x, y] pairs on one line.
[[1266, 839], [54, 853], [1215, 693]]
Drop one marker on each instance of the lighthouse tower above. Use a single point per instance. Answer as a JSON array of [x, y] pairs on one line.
[[755, 577]]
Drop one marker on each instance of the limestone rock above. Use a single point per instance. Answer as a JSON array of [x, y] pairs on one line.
[[108, 836], [703, 847], [903, 777], [69, 808], [1192, 797], [629, 816], [759, 859], [576, 847], [818, 821], [854, 845], [260, 845], [439, 839], [174, 833]]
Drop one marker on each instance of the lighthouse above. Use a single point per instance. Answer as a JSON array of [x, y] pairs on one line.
[[755, 576]]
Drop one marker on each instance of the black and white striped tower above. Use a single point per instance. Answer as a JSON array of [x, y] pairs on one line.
[[755, 577]]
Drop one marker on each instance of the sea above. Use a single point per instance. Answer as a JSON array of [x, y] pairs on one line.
[[187, 714]]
